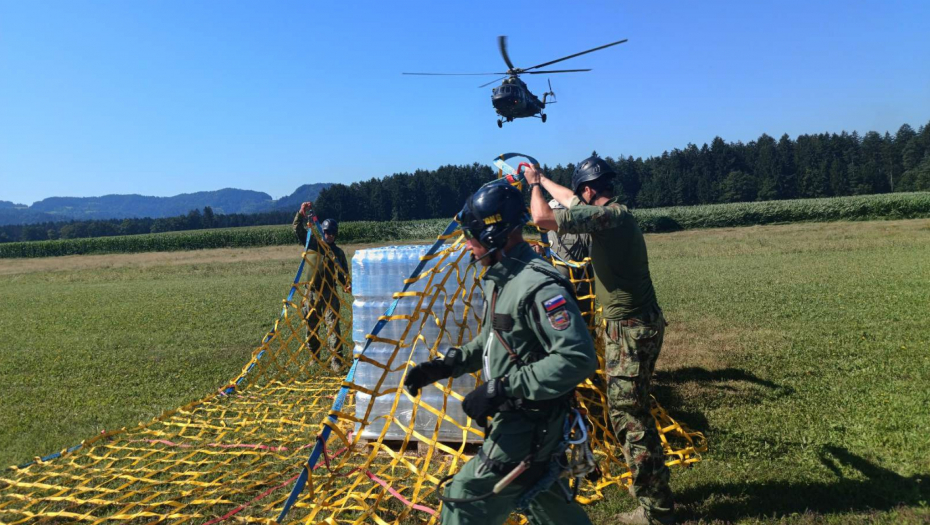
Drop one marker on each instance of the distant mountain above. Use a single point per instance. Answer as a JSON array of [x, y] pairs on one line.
[[225, 201], [305, 193], [23, 215], [120, 206]]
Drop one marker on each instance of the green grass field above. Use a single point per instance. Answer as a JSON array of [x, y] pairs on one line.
[[802, 352]]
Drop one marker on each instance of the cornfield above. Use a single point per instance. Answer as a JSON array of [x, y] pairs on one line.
[[858, 208]]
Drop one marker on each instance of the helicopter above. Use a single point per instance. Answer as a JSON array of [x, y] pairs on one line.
[[513, 99]]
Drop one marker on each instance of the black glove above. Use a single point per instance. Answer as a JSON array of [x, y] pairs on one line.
[[431, 371], [484, 401]]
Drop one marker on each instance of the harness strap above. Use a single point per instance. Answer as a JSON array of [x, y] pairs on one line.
[[513, 355], [499, 467]]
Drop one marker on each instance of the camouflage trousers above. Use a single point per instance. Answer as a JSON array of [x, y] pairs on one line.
[[323, 322], [632, 347]]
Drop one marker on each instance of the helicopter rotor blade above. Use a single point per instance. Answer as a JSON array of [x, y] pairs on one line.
[[555, 71], [492, 82], [576, 54], [502, 43], [455, 74]]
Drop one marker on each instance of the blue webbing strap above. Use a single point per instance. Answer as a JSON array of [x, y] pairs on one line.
[[344, 390], [50, 457]]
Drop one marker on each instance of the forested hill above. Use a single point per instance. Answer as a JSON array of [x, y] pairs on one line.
[[226, 201], [821, 165], [121, 206]]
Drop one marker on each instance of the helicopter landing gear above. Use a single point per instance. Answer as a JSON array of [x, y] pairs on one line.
[[544, 118], [500, 123]]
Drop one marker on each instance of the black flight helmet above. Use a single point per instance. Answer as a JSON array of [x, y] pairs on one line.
[[492, 213], [590, 169], [331, 226]]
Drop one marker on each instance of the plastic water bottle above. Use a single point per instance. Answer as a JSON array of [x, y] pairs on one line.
[[378, 273]]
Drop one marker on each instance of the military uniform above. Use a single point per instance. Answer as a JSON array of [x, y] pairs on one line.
[[530, 310], [634, 333], [322, 301]]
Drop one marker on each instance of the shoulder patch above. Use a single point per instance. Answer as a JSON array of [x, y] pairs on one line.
[[557, 313], [554, 303], [559, 319]]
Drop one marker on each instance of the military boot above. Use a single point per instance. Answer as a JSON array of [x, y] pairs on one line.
[[641, 517]]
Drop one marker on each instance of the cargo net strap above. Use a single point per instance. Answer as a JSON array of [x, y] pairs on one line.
[[241, 454]]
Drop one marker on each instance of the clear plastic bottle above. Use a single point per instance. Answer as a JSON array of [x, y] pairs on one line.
[[377, 273]]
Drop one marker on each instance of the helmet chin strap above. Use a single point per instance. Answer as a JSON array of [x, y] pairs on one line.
[[475, 260], [492, 250], [588, 202]]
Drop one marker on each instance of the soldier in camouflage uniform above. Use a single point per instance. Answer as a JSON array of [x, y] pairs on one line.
[[533, 349], [322, 301], [635, 324]]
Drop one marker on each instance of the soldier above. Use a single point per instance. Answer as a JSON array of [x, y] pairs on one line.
[[533, 349], [322, 302], [635, 324]]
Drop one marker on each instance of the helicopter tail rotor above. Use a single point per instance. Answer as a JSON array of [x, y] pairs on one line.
[[549, 94]]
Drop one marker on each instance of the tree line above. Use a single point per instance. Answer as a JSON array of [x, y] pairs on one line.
[[821, 165], [193, 220]]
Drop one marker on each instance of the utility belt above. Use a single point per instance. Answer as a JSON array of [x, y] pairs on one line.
[[502, 468], [648, 315], [547, 405]]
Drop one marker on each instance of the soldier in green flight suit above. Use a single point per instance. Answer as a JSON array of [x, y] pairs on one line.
[[533, 349], [322, 302], [635, 323]]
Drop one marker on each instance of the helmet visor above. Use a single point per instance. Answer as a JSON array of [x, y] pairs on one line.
[[471, 225]]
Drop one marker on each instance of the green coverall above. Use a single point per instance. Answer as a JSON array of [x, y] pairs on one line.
[[536, 316]]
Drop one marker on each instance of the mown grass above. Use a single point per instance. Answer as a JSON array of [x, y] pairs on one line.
[[858, 208], [802, 351]]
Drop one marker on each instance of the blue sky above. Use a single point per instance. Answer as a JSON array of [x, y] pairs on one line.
[[168, 96]]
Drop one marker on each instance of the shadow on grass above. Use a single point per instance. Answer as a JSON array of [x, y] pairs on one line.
[[668, 390], [703, 375], [881, 490]]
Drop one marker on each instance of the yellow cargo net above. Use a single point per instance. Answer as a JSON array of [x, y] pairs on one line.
[[236, 455]]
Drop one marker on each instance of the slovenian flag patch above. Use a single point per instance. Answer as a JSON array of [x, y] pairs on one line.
[[554, 303]]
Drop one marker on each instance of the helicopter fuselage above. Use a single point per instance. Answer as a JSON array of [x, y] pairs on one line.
[[513, 100]]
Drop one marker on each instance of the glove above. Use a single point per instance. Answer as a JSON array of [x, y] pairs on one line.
[[429, 372], [484, 401]]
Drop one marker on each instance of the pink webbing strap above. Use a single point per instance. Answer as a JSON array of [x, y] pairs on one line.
[[240, 508], [398, 495], [257, 446], [244, 506]]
